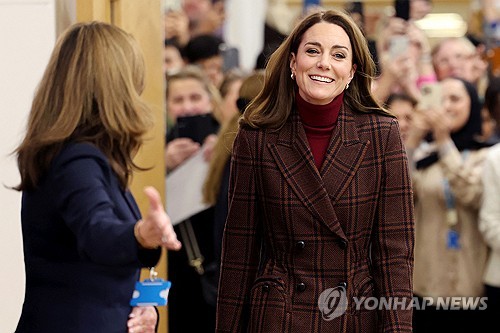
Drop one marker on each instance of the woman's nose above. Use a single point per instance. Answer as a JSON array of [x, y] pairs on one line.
[[324, 62]]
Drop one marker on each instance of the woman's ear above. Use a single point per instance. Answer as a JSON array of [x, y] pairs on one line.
[[293, 62], [353, 70]]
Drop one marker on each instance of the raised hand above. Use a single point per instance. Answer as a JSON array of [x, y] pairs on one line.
[[156, 228], [178, 151]]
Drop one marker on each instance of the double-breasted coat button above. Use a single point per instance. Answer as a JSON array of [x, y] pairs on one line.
[[301, 286], [265, 287], [343, 244], [343, 285], [300, 245]]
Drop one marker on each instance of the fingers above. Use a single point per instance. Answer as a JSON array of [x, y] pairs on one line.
[[183, 142], [179, 150], [154, 198], [186, 147], [142, 319], [158, 229], [169, 239]]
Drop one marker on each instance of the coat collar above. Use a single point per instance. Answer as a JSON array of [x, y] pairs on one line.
[[320, 190]]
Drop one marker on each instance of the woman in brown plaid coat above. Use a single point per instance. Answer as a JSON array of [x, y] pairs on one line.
[[320, 203]]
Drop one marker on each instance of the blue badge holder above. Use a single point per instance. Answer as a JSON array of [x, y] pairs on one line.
[[151, 292], [453, 240]]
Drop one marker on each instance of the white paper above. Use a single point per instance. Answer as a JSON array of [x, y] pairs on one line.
[[184, 188]]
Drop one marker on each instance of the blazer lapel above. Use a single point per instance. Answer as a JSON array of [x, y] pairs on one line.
[[296, 163], [343, 156]]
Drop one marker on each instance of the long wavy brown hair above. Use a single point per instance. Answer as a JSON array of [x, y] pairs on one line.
[[275, 103], [90, 92]]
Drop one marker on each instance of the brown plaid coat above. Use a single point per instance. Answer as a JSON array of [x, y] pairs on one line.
[[293, 232]]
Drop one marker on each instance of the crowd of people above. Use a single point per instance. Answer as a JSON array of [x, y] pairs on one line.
[[363, 167]]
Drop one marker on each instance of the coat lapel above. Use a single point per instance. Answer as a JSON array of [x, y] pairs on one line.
[[343, 156], [319, 191]]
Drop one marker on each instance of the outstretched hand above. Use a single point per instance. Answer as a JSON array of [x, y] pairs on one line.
[[156, 228]]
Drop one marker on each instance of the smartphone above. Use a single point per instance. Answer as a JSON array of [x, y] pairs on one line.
[[197, 128], [231, 57], [398, 45], [430, 95], [402, 8]]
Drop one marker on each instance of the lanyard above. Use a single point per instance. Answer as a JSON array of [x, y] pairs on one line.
[[451, 212]]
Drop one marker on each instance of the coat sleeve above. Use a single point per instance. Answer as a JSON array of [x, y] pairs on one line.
[[393, 238], [489, 214], [81, 190], [240, 250], [464, 175]]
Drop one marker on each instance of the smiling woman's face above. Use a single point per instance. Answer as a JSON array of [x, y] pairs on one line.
[[187, 97], [456, 103], [323, 64]]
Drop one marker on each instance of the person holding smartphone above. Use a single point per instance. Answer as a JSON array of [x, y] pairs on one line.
[[194, 103], [404, 54], [447, 162], [190, 93]]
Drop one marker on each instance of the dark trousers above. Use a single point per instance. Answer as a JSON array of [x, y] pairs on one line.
[[187, 309], [493, 310], [434, 320]]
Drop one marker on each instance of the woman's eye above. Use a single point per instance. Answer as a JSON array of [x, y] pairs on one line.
[[312, 51], [339, 55]]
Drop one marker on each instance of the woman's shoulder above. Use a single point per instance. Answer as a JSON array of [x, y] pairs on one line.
[[375, 120], [79, 150], [379, 116], [249, 131]]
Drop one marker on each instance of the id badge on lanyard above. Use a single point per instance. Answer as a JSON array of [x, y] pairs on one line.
[[452, 235], [151, 292]]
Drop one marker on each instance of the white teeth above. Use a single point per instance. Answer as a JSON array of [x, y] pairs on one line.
[[321, 78]]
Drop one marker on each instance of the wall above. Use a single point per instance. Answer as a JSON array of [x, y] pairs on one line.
[[28, 34]]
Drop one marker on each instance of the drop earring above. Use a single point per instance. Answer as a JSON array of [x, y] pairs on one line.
[[347, 86], [292, 76]]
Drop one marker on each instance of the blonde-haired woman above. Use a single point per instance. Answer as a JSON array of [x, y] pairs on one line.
[[84, 238], [194, 103], [190, 93]]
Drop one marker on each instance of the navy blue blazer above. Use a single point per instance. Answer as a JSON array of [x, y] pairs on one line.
[[81, 257]]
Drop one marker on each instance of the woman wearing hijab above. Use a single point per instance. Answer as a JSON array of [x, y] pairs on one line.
[[447, 161]]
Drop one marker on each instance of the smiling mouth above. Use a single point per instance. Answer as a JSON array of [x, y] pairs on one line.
[[321, 79]]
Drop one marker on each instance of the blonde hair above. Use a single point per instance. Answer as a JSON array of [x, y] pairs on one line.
[[90, 92], [464, 41], [272, 107], [194, 72], [250, 88]]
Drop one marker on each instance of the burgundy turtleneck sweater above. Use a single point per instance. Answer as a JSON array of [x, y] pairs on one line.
[[319, 121]]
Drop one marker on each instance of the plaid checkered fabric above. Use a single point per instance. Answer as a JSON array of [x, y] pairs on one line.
[[294, 231]]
